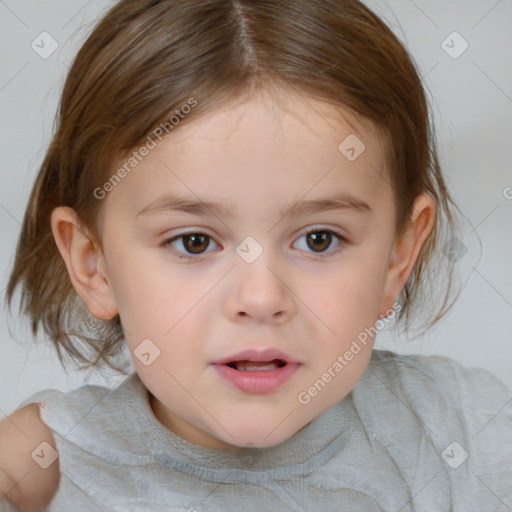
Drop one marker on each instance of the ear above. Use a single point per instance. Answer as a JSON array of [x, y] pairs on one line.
[[407, 247], [85, 263]]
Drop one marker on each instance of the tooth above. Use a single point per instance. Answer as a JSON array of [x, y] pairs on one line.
[[251, 366], [268, 367]]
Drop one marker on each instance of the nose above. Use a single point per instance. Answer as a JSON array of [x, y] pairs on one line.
[[260, 291]]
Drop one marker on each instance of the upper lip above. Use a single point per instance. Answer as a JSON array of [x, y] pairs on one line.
[[258, 355]]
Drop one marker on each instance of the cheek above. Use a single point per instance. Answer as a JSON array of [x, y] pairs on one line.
[[144, 297], [349, 302], [162, 306]]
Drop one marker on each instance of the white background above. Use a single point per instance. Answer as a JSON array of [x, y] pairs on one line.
[[472, 107]]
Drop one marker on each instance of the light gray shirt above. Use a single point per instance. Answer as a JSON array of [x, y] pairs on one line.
[[417, 433]]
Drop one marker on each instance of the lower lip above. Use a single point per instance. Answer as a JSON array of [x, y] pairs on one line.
[[264, 381]]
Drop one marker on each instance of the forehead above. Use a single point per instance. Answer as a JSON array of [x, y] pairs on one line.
[[261, 151], [280, 119]]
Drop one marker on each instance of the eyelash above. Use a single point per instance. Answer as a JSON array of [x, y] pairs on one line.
[[343, 242]]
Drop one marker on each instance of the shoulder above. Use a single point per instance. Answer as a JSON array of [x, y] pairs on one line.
[[29, 443], [432, 375], [428, 381], [434, 394], [30, 471], [50, 425], [443, 424], [438, 397]]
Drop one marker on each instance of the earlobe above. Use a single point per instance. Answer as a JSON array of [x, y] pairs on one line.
[[407, 247], [85, 263]]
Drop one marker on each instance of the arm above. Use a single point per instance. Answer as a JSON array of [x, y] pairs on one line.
[[27, 484]]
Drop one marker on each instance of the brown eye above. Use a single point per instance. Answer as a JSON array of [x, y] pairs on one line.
[[319, 240], [196, 243], [188, 245]]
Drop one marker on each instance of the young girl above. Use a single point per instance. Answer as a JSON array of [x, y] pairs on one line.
[[244, 193]]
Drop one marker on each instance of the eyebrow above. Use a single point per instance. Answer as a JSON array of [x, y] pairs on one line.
[[173, 203]]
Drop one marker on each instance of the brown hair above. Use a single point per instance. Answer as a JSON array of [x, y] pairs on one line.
[[146, 58]]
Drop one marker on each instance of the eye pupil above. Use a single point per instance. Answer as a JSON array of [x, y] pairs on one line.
[[197, 240], [323, 237]]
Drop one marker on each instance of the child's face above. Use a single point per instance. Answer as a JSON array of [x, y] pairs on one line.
[[298, 296]]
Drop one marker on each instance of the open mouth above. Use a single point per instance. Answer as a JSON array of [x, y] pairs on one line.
[[256, 376], [253, 366]]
